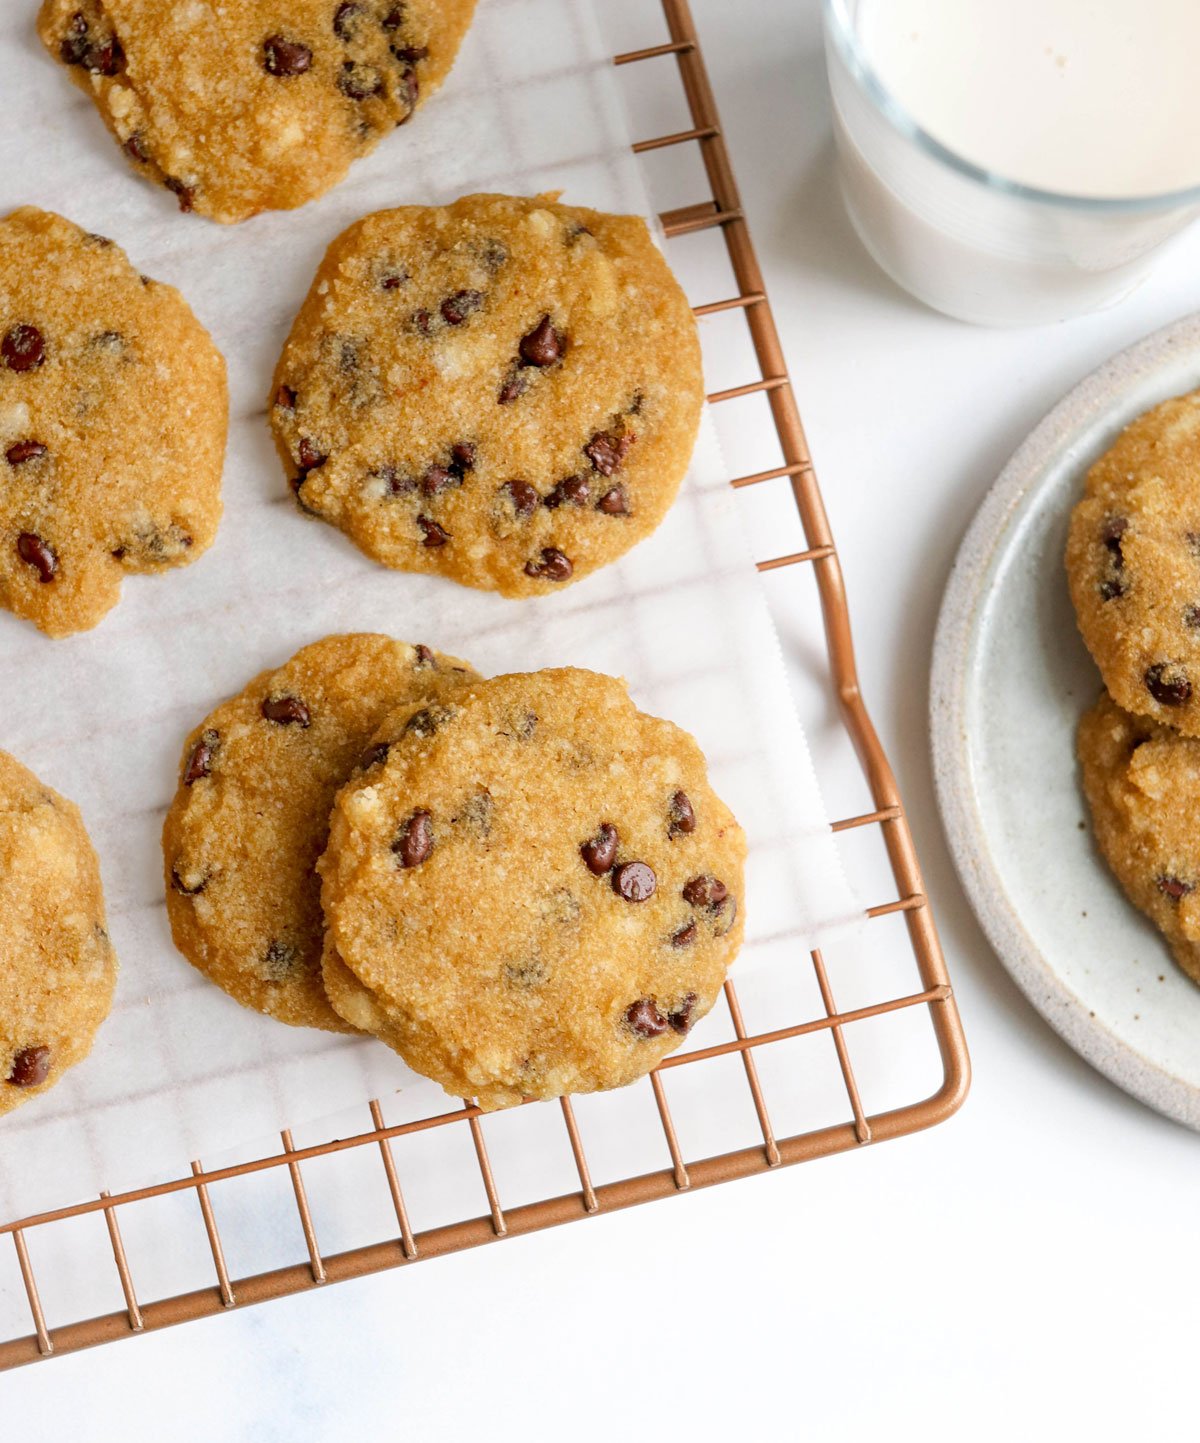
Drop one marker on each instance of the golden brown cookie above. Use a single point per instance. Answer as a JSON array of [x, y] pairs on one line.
[[113, 414], [503, 390], [1142, 782], [251, 105], [533, 890], [1133, 563], [249, 820], [57, 966]]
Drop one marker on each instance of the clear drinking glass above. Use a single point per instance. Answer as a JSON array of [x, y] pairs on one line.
[[967, 241]]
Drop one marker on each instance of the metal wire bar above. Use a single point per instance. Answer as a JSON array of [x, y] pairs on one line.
[[315, 1262], [668, 1127], [581, 1165], [31, 1292], [214, 1237], [407, 1241], [861, 1126], [499, 1226], [770, 1146], [118, 1251]]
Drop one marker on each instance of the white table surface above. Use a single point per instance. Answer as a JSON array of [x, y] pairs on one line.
[[1029, 1269]]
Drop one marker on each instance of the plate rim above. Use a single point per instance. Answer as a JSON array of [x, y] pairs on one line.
[[955, 640]]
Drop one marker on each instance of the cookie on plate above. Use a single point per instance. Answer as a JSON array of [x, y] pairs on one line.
[[257, 780], [505, 391], [113, 413], [57, 965], [1133, 563], [1142, 782], [532, 890], [250, 105]]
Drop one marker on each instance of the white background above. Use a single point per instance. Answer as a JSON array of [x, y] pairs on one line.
[[1030, 1269]]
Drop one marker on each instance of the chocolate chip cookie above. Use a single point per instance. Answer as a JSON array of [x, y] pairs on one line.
[[505, 390], [57, 965], [531, 889], [249, 820], [250, 105], [1142, 782], [113, 414], [1133, 563]]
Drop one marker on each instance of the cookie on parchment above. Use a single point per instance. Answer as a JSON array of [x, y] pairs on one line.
[[250, 105], [505, 391], [57, 965], [257, 780], [1133, 564], [1142, 782], [532, 890], [113, 414]]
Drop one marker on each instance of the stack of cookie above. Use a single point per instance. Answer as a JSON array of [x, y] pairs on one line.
[[1133, 563], [524, 886]]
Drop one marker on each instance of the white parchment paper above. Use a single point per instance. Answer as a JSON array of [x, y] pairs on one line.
[[179, 1070]]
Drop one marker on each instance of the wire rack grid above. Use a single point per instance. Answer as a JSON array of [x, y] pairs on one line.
[[721, 214]]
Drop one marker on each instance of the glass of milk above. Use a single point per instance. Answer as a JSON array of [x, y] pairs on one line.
[[1016, 161]]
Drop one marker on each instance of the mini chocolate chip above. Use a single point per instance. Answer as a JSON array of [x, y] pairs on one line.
[[601, 851], [135, 147], [432, 533], [462, 455], [726, 916], [644, 1019], [551, 566], [74, 43], [1191, 617], [23, 451], [573, 491], [476, 815], [394, 18], [423, 321], [681, 816], [456, 308], [1174, 887], [634, 881], [395, 482], [705, 891], [414, 840], [1111, 532], [425, 656], [186, 889], [284, 57], [309, 456], [1168, 690], [575, 232], [606, 451], [280, 960], [23, 348], [201, 760], [393, 280], [182, 192], [513, 387], [286, 711], [681, 1017], [285, 398], [411, 54], [685, 936], [104, 59], [438, 479], [425, 722], [346, 19], [1111, 589], [523, 497], [359, 82], [614, 502], [94, 238], [543, 345], [36, 553], [373, 756], [408, 90], [30, 1067]]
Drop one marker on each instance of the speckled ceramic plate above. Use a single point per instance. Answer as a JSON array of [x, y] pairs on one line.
[[1010, 679]]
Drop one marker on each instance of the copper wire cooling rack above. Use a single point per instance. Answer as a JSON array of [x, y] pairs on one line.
[[722, 213]]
